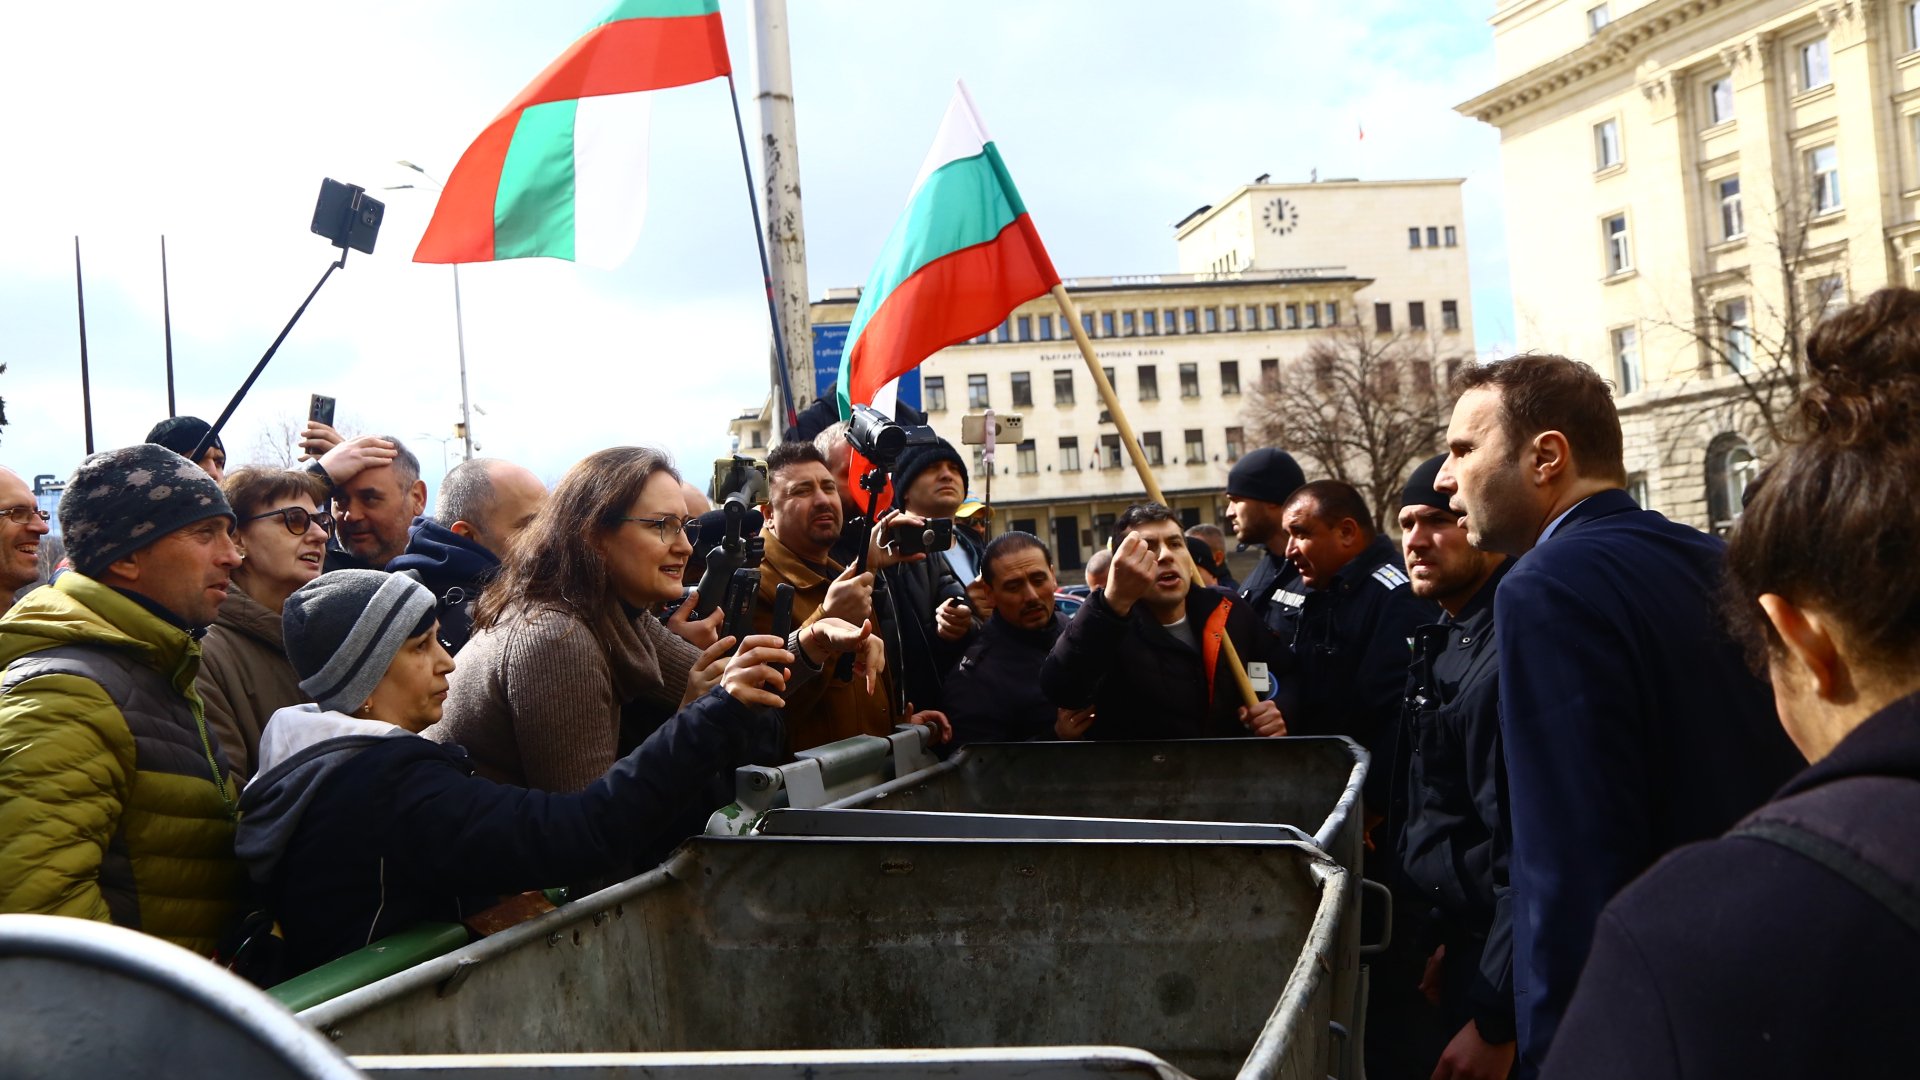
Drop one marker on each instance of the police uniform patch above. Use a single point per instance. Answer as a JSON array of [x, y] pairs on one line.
[[1291, 599], [1390, 576]]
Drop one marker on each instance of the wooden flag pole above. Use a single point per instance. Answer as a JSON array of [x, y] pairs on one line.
[[1112, 402]]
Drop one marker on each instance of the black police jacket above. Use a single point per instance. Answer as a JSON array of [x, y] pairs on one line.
[[916, 652], [1346, 651], [1143, 682], [994, 695], [1453, 846], [1272, 590]]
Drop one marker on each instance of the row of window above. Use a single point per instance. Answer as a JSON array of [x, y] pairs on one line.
[[1147, 377], [1731, 340], [1107, 454], [1159, 322], [1823, 179], [1416, 316], [1434, 232]]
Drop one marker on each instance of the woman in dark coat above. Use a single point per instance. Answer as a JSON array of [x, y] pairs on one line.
[[1791, 946]]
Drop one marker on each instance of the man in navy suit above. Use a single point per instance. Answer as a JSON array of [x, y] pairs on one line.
[[1631, 721]]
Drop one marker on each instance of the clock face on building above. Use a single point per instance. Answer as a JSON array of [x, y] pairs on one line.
[[1280, 216]]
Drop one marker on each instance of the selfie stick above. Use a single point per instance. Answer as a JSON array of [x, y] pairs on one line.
[[239, 395]]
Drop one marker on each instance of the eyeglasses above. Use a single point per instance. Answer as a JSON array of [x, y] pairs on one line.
[[670, 526], [24, 515], [297, 518]]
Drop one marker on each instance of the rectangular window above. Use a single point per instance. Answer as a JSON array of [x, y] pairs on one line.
[[1150, 322], [1449, 314], [1736, 328], [1413, 237], [1063, 386], [1024, 324], [1383, 318], [1150, 445], [1453, 236], [977, 392], [1005, 332], [1333, 313], [1109, 451], [1189, 380], [1086, 322], [1106, 324], [1069, 453], [1273, 316], [1190, 321], [1022, 390], [1253, 319], [1417, 314], [1236, 439], [1826, 295], [1619, 251], [1269, 370], [1212, 320], [1046, 328], [1814, 69], [1168, 323], [1313, 316], [1606, 144], [1720, 101], [1229, 378], [1913, 27], [935, 392], [1433, 236], [1597, 18], [1823, 169], [1126, 323], [1626, 358], [1733, 220], [1027, 458], [1196, 447], [1233, 318], [1149, 383], [1293, 317]]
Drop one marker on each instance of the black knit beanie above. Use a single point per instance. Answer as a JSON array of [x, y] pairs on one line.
[[343, 629], [917, 459], [1267, 474], [119, 501], [181, 434], [1419, 491]]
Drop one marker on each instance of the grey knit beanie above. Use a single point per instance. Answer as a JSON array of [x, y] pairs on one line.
[[343, 629], [119, 501]]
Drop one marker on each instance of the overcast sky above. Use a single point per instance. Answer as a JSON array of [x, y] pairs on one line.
[[213, 123]]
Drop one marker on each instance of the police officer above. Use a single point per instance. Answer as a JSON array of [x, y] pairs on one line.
[[994, 694], [1258, 487], [1447, 785]]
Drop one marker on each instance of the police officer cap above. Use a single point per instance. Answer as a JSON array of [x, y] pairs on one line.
[[1268, 474], [1420, 485]]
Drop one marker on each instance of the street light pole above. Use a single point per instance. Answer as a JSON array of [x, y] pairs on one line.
[[459, 329]]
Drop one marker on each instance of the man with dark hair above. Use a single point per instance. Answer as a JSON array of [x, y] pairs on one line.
[[994, 694], [1448, 785], [1258, 487], [935, 620], [1630, 719], [377, 492], [1345, 668], [114, 799], [484, 505], [1144, 652], [182, 435]]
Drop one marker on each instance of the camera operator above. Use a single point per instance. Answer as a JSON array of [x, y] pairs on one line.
[[936, 620]]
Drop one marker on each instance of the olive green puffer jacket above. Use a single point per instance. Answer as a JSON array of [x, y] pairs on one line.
[[114, 803]]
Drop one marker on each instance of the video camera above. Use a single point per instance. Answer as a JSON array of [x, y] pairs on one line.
[[736, 551], [881, 440]]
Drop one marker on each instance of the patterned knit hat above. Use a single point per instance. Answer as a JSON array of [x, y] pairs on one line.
[[343, 629], [119, 501]]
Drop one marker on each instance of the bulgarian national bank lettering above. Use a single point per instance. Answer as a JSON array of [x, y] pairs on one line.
[[829, 344]]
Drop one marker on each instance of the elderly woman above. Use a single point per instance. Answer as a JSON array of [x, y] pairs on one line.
[[244, 675], [1788, 947], [356, 827]]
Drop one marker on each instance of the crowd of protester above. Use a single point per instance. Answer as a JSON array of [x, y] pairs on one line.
[[296, 692]]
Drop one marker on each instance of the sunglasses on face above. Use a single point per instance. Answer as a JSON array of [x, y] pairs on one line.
[[297, 518]]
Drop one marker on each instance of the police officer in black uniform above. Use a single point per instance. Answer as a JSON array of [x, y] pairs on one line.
[[1452, 824], [1258, 487]]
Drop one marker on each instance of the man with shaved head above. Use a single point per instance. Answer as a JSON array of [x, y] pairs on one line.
[[485, 504]]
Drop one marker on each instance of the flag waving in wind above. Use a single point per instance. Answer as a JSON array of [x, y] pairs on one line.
[[562, 171], [962, 256]]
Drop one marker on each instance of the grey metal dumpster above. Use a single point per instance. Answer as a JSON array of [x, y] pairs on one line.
[[1213, 956]]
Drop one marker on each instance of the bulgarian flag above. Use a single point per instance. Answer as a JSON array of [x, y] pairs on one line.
[[562, 171], [962, 256]]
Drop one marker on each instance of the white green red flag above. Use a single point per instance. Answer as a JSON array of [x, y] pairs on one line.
[[562, 171], [959, 260]]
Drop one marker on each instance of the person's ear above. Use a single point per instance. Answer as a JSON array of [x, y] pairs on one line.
[[464, 528], [1552, 456], [126, 567], [1811, 650], [418, 496]]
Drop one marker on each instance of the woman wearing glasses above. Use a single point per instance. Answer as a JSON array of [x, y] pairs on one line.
[[567, 668], [244, 674]]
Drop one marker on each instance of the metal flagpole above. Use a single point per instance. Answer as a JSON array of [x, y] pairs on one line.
[[166, 321], [86, 384], [785, 384]]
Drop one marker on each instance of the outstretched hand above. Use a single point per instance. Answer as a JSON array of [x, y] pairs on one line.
[[707, 670], [753, 675], [881, 557], [701, 632]]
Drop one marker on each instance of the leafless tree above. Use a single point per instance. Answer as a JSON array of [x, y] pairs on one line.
[[277, 446], [1359, 406]]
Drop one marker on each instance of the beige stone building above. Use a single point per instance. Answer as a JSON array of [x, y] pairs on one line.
[[1689, 184]]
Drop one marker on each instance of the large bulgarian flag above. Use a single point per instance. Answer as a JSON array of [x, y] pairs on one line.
[[962, 256], [562, 171]]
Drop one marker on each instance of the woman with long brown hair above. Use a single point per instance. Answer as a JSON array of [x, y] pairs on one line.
[[565, 646], [1789, 947]]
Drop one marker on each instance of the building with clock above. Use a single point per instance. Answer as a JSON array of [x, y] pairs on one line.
[[1261, 276]]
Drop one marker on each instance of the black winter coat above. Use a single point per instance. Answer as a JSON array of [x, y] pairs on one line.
[[1741, 957], [923, 657], [994, 695], [1142, 681], [455, 568], [1271, 590]]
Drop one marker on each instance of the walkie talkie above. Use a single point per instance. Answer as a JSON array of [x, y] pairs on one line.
[[741, 593], [782, 615]]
